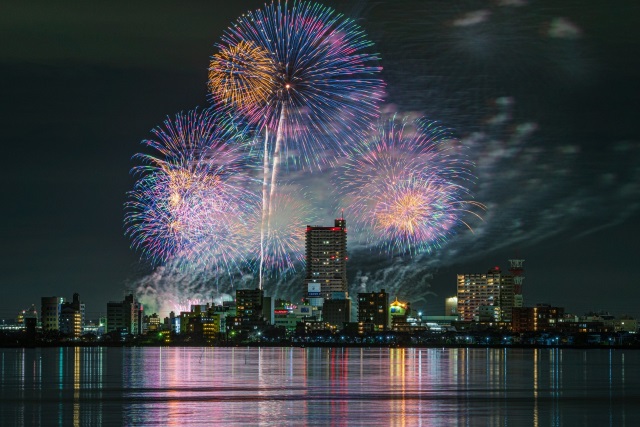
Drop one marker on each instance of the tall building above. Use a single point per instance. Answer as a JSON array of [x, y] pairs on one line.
[[373, 308], [326, 250], [517, 271], [50, 313], [485, 297], [72, 317]]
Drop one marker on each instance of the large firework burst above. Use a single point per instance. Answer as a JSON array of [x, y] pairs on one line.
[[188, 200], [301, 70], [407, 186]]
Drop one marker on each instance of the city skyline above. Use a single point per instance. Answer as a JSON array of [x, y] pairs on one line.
[[556, 163]]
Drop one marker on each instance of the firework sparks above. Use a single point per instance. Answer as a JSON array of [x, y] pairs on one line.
[[241, 75], [301, 69], [406, 186], [188, 200], [300, 74]]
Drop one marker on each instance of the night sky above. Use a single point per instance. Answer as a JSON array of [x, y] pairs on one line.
[[544, 96]]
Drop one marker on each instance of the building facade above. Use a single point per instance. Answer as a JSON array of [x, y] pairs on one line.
[[373, 308], [451, 306], [337, 312], [541, 318], [50, 313], [326, 252], [126, 315], [72, 318], [485, 297], [249, 309]]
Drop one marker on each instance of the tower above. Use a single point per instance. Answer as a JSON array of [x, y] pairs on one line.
[[326, 252], [517, 271]]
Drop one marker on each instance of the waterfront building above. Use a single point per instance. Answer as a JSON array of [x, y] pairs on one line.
[[250, 305], [27, 313], [72, 317], [50, 313], [626, 324], [373, 308], [398, 315], [451, 306], [125, 316], [485, 297], [517, 271], [203, 321], [153, 322], [541, 318], [337, 311], [326, 254], [287, 315]]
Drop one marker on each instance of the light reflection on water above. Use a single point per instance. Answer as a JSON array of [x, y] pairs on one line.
[[319, 386]]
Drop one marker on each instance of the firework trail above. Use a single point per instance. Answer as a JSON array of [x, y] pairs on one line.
[[301, 75], [190, 198], [407, 186]]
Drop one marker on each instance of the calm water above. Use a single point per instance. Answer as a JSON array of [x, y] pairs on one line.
[[319, 386]]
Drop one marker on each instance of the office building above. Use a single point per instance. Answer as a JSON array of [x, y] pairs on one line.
[[326, 253], [485, 297], [373, 309]]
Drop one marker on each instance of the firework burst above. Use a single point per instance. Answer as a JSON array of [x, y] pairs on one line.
[[241, 76], [301, 71], [302, 76], [188, 201], [407, 186]]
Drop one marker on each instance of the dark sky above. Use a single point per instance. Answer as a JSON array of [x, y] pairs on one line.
[[545, 96]]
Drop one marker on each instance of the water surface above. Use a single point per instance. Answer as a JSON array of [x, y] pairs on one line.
[[319, 386]]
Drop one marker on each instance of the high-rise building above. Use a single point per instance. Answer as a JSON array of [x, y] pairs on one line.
[[50, 313], [517, 271], [485, 297], [326, 250], [373, 308]]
